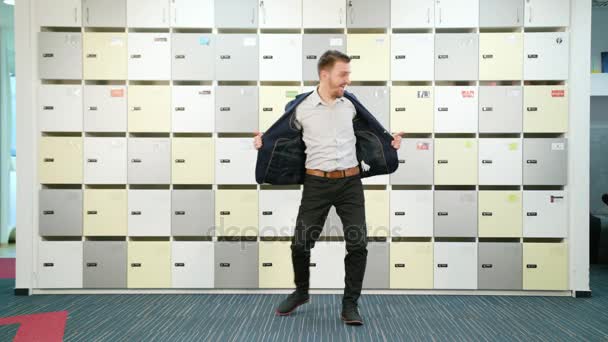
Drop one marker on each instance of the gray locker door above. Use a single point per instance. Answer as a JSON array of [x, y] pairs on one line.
[[500, 109], [193, 56], [236, 57], [236, 109], [415, 163], [456, 56], [105, 264], [149, 161], [192, 213], [313, 46], [368, 13], [236, 264], [104, 13], [60, 212], [236, 13], [501, 13], [376, 99], [60, 55], [545, 161], [500, 266], [377, 270], [455, 213]]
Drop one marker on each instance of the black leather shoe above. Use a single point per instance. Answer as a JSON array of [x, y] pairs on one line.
[[289, 304], [350, 316]]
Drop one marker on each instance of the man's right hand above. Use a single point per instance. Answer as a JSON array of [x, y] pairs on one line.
[[257, 140]]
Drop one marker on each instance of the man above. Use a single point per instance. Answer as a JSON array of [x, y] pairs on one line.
[[337, 135]]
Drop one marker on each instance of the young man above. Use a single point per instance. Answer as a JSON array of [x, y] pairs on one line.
[[334, 150]]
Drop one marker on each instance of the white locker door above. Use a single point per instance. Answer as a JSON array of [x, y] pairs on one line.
[[148, 13], [105, 160], [104, 13], [193, 109], [235, 161], [500, 161], [281, 13], [327, 265], [64, 13], [59, 108], [412, 13], [545, 214], [192, 13], [333, 14], [457, 13], [412, 57], [280, 57], [105, 108], [192, 264], [456, 109], [455, 265], [278, 211], [149, 212], [59, 265], [546, 55], [547, 13], [149, 56], [411, 213]]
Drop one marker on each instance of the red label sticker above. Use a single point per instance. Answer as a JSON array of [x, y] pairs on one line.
[[422, 146], [117, 92], [558, 93], [468, 93]]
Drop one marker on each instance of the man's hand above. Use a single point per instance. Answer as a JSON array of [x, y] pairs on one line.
[[257, 140], [396, 143]]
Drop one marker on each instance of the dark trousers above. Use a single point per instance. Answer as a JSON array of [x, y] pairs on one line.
[[319, 194]]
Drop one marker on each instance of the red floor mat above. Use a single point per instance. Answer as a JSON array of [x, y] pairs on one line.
[[7, 268]]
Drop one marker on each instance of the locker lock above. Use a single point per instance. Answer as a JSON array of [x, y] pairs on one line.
[[180, 161], [266, 213], [92, 212], [225, 57], [487, 213], [486, 161], [442, 109], [136, 264], [442, 161], [487, 56], [48, 212], [399, 213], [532, 213], [91, 160], [531, 161], [267, 57], [180, 213], [224, 161], [48, 55], [224, 264], [91, 264], [533, 56], [355, 57], [531, 266], [267, 109], [135, 109], [180, 56], [224, 212], [48, 264], [49, 160], [312, 264], [180, 109], [442, 56], [48, 107], [400, 109], [532, 109], [180, 264], [224, 109], [442, 213], [92, 55], [487, 266], [487, 109], [400, 57], [399, 265], [401, 161], [311, 57], [442, 265], [136, 213], [135, 56], [93, 108], [266, 264], [135, 160]]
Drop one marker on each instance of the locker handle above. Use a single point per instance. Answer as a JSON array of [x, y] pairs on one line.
[[401, 161], [487, 56], [443, 109], [75, 14], [225, 57], [312, 264], [266, 264], [180, 264], [252, 15], [442, 265], [91, 160], [311, 57], [487, 109], [556, 197], [224, 264], [532, 213], [517, 15], [531, 161], [352, 12], [48, 264], [136, 264], [443, 56], [399, 213], [487, 213], [442, 213], [487, 266], [225, 212], [180, 161], [267, 109], [92, 212], [135, 109], [355, 57], [530, 17], [48, 108], [91, 264], [48, 55], [399, 265], [428, 15], [180, 109], [135, 160], [93, 108], [440, 15], [267, 57], [224, 161], [266, 213], [532, 109], [180, 56], [48, 212], [87, 10], [135, 56], [485, 161], [531, 266], [136, 213], [180, 213], [340, 15], [400, 57], [400, 109], [49, 160], [442, 161], [532, 56], [224, 109]]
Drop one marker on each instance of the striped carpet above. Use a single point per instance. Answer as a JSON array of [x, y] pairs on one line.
[[388, 318]]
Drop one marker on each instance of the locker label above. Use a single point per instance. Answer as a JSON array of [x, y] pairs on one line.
[[91, 264], [558, 93], [379, 40], [513, 198], [533, 56], [531, 161], [224, 109], [487, 213], [48, 55], [487, 56], [204, 92], [401, 161], [557, 146], [532, 213], [486, 266], [399, 213], [180, 56], [49, 160], [180, 161], [291, 93], [224, 161], [485, 161], [203, 41], [224, 212], [91, 160], [442, 265], [48, 212], [48, 264], [179, 264], [48, 108], [224, 264], [92, 55], [442, 213], [487, 109], [531, 266], [399, 265], [116, 42], [249, 42], [336, 42], [400, 109], [513, 146], [135, 160], [267, 57], [92, 108], [92, 212], [136, 213], [468, 94], [136, 264], [422, 146], [180, 213], [267, 109], [135, 56], [312, 264], [225, 57], [442, 56], [267, 264], [160, 39], [532, 109], [117, 92], [180, 109], [355, 57], [266, 212], [423, 94], [311, 57], [442, 109], [400, 57], [442, 162]]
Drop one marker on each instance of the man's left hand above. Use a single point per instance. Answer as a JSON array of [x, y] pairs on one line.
[[396, 143]]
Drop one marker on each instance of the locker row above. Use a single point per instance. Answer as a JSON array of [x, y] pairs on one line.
[[249, 265], [186, 160], [239, 109], [293, 57], [272, 213], [304, 13]]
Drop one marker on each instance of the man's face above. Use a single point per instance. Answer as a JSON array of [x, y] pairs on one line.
[[336, 78]]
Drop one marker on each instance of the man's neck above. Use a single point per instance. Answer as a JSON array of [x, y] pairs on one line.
[[325, 94]]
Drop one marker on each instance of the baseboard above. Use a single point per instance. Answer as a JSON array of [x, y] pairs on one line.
[[582, 294], [22, 292]]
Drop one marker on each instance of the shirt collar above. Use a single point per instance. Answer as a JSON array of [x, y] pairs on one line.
[[319, 101]]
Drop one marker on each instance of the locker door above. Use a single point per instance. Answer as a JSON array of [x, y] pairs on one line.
[[60, 160], [457, 13], [280, 56], [376, 212], [412, 109], [278, 211], [105, 265], [236, 56], [193, 109], [105, 160], [333, 224], [545, 214], [275, 268], [415, 163], [499, 266], [192, 160], [105, 108], [192, 212], [456, 56], [545, 266], [236, 264], [500, 56], [500, 109], [456, 109], [327, 265], [412, 57], [192, 13], [104, 13], [235, 160], [500, 214], [376, 99], [501, 13], [377, 270], [333, 14], [149, 56], [411, 265], [412, 13], [236, 13], [368, 14], [193, 56], [546, 55], [500, 161], [149, 264], [547, 13], [105, 212], [148, 13], [280, 13], [411, 213], [455, 265], [60, 55], [60, 212], [370, 56], [59, 265], [192, 264], [236, 109], [272, 103], [63, 13], [545, 161], [236, 212], [59, 108], [149, 161], [455, 213], [149, 108], [149, 212], [455, 161], [546, 109], [314, 45]]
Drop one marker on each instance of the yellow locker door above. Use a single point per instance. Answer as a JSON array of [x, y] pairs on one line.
[[545, 109], [376, 212], [370, 56], [236, 212], [193, 160], [545, 266], [272, 103], [105, 212], [500, 214], [104, 55], [411, 265], [500, 56], [149, 108], [412, 109], [149, 264], [60, 160], [455, 161], [275, 268]]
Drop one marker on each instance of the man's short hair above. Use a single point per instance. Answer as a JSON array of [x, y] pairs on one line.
[[329, 58]]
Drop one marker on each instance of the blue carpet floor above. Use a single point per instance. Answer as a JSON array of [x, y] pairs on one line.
[[387, 318]]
